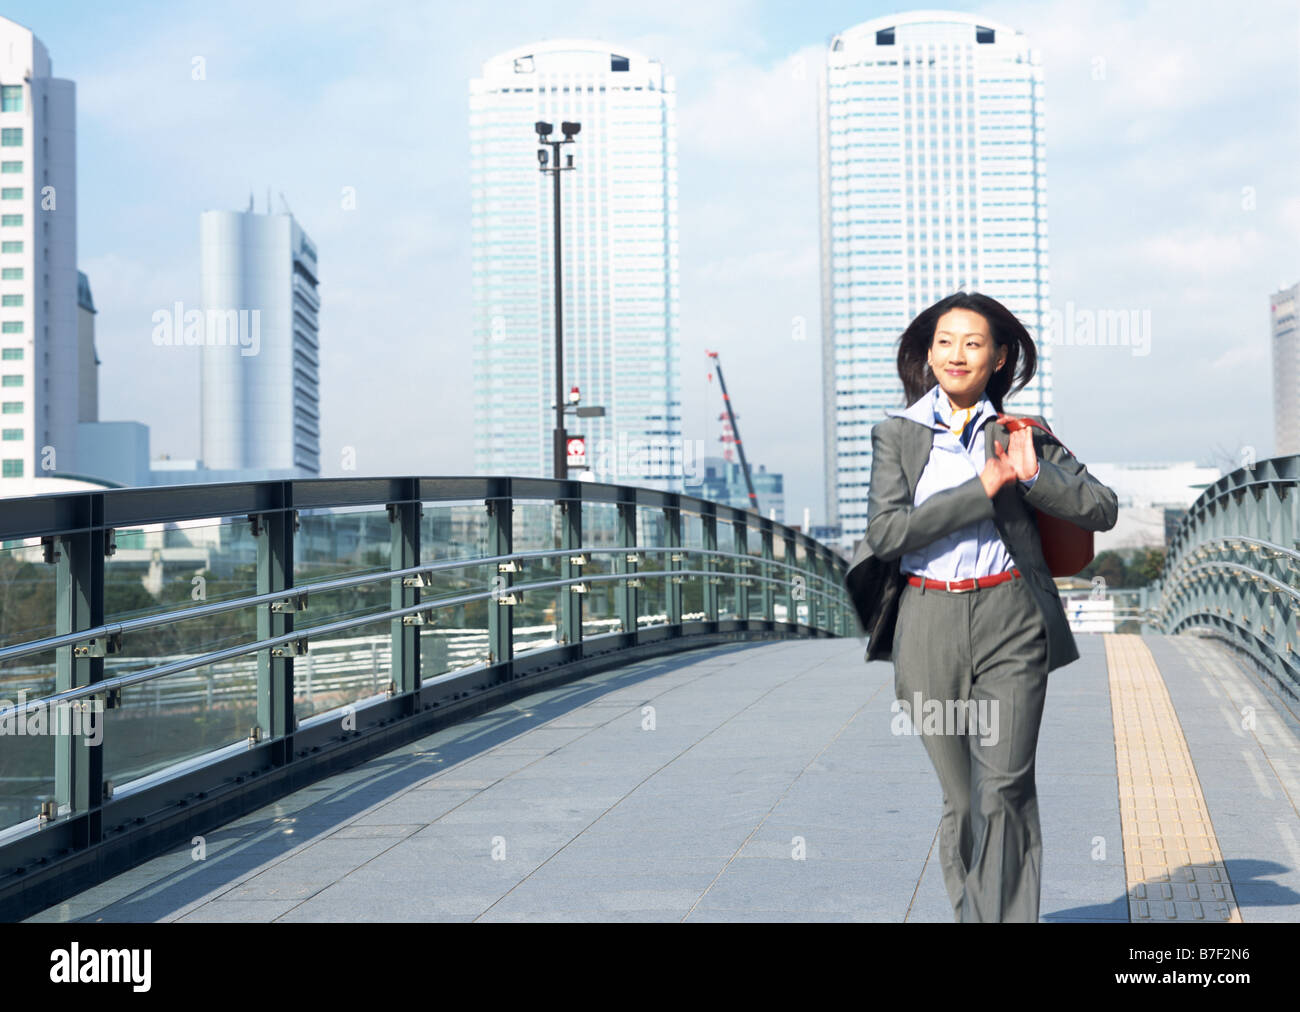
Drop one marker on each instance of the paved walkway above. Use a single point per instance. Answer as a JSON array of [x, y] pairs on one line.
[[751, 782]]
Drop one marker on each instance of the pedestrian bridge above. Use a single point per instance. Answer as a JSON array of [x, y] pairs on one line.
[[503, 698], [765, 782]]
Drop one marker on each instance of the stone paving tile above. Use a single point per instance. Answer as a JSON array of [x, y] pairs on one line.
[[579, 916], [239, 912]]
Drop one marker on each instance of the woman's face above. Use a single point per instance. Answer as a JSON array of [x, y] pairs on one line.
[[962, 355]]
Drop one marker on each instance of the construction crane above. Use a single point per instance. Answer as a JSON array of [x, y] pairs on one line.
[[735, 431]]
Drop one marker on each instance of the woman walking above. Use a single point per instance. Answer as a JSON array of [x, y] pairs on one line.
[[979, 623]]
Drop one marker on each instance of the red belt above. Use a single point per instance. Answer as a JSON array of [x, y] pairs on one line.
[[957, 586]]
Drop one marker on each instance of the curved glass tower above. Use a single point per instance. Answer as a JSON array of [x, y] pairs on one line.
[[259, 371]]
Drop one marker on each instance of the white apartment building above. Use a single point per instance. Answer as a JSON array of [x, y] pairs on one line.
[[259, 367], [39, 357]]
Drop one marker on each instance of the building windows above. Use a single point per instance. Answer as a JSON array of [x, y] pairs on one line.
[[11, 300], [11, 354], [11, 193], [10, 435], [11, 273], [11, 137], [11, 220], [12, 469], [11, 408], [8, 167], [11, 381], [12, 246], [11, 327], [11, 98]]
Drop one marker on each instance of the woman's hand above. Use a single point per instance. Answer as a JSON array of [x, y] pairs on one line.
[[1020, 462], [1023, 456]]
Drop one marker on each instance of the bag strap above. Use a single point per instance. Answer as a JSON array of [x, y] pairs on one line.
[[1012, 423]]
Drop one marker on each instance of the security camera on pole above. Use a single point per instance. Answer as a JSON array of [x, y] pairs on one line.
[[549, 161]]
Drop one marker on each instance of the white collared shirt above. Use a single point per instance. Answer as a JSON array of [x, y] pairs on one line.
[[975, 549]]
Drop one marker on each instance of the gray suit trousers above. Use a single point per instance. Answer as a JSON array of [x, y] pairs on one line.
[[988, 649]]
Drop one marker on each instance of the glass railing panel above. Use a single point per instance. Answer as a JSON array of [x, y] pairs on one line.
[[458, 635], [725, 567], [599, 605], [27, 598], [756, 569], [535, 616], [177, 717], [693, 586], [652, 596], [343, 669]]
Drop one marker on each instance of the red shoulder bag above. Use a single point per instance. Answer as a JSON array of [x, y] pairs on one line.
[[1067, 547]]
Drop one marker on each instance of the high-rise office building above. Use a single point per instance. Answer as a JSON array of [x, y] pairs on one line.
[[39, 360], [933, 180], [260, 355], [1286, 371], [618, 262]]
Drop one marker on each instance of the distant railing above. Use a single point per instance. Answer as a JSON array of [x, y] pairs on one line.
[[1231, 569], [160, 644]]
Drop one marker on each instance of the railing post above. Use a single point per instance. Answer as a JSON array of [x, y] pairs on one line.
[[766, 569], [79, 604], [673, 535], [627, 595], [571, 604], [500, 536], [741, 539], [822, 567], [796, 590], [841, 608], [709, 523], [404, 533], [809, 571], [818, 566], [273, 534]]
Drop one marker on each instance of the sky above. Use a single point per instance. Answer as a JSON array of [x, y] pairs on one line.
[[1173, 142]]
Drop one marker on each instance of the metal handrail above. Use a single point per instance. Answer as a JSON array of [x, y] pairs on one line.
[[1254, 574], [203, 660], [342, 583]]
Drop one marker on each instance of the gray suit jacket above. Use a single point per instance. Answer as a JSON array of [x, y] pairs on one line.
[[900, 451]]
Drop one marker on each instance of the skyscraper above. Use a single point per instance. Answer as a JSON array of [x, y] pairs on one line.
[[260, 355], [1286, 371], [618, 261], [933, 180], [39, 359]]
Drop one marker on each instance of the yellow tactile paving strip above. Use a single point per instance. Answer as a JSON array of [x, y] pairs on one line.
[[1172, 862]]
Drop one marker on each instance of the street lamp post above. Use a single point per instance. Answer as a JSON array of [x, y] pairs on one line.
[[555, 168]]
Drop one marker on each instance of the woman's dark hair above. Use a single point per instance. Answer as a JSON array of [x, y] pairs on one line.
[[1006, 331]]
